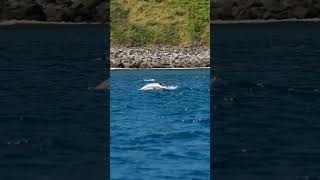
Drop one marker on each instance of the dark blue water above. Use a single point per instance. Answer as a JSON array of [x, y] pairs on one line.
[[266, 104], [160, 134], [51, 126]]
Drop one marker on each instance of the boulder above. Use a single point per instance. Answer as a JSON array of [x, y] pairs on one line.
[[243, 14], [55, 12], [300, 12], [22, 10], [227, 9], [102, 12], [273, 5], [257, 12]]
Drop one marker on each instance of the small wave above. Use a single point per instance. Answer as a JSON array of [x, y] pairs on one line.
[[18, 142], [304, 90], [149, 80], [97, 59]]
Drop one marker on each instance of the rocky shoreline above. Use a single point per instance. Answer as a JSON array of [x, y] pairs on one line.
[[54, 23], [159, 57], [55, 10], [264, 9], [98, 11], [259, 21]]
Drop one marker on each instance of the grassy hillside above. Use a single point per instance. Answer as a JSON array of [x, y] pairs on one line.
[[160, 22]]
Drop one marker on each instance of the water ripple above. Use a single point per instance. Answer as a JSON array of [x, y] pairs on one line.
[[160, 132]]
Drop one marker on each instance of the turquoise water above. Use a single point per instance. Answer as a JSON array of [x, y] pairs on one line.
[[160, 134]]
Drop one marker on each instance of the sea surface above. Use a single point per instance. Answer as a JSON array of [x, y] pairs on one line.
[[51, 126], [160, 134], [266, 101]]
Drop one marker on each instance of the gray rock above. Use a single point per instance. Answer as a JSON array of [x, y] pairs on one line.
[[300, 12], [273, 5], [264, 9], [54, 10], [163, 57], [21, 10]]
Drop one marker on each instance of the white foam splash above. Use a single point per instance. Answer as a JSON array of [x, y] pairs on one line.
[[172, 87], [149, 80]]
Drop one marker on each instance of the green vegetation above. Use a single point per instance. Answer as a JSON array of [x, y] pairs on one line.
[[160, 22]]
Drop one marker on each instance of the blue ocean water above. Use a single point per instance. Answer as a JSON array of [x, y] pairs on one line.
[[160, 134], [265, 113], [51, 126]]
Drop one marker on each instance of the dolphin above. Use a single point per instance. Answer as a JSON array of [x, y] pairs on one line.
[[102, 86], [157, 86]]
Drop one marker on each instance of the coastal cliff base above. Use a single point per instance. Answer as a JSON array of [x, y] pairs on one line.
[[159, 57], [264, 9]]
